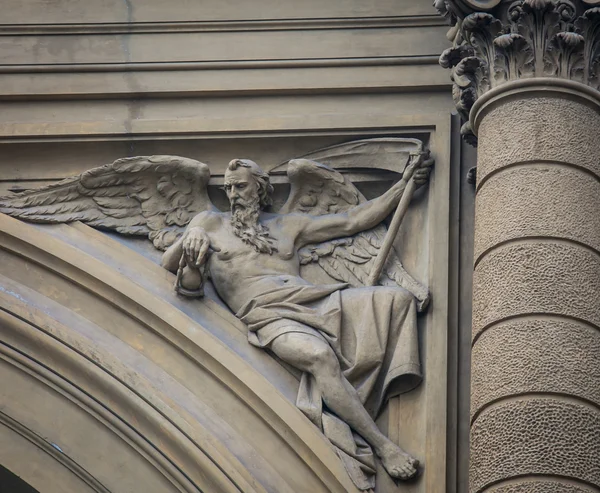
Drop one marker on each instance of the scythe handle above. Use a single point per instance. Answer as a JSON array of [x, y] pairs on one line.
[[383, 254]]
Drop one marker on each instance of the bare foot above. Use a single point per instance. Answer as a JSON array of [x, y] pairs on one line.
[[397, 462]]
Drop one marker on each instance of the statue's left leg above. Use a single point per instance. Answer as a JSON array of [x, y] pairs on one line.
[[314, 355]]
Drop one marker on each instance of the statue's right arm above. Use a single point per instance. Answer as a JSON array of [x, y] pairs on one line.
[[316, 229], [194, 242]]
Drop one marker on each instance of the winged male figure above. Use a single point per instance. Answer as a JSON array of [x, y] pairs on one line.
[[254, 263], [296, 278]]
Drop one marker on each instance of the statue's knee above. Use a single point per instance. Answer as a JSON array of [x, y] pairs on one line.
[[395, 294], [323, 359], [401, 296]]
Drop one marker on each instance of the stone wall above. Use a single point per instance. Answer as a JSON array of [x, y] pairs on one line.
[[85, 83]]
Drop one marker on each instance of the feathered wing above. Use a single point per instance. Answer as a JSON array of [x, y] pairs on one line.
[[317, 189], [153, 196]]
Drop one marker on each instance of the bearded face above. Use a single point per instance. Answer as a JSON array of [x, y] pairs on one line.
[[243, 193]]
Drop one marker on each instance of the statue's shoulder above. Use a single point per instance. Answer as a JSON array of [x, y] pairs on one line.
[[283, 219], [287, 216], [209, 219]]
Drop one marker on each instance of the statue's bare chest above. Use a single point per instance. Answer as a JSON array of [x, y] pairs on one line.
[[228, 246]]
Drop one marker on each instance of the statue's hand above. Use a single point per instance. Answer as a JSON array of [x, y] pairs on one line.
[[419, 168], [421, 176], [195, 246]]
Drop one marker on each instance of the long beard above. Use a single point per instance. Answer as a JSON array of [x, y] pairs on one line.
[[246, 226]]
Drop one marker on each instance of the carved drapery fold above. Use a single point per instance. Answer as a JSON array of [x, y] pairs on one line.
[[495, 41]]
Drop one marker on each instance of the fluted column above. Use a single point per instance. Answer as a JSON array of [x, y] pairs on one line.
[[526, 77]]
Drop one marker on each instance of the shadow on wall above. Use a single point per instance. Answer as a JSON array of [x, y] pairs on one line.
[[9, 483]]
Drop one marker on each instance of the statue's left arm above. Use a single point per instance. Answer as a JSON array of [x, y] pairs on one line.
[[316, 229]]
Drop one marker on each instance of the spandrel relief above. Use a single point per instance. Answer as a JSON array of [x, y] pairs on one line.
[[317, 281]]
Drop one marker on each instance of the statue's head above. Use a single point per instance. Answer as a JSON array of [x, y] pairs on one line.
[[249, 191], [246, 182]]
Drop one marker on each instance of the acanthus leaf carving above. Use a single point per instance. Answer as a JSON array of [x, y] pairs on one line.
[[567, 55], [588, 25], [514, 56], [524, 39]]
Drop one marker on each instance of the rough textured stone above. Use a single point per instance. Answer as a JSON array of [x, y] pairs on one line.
[[541, 486], [551, 129], [536, 277], [538, 200], [522, 74], [535, 436], [536, 355]]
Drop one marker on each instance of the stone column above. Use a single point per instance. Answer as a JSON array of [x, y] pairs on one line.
[[526, 78]]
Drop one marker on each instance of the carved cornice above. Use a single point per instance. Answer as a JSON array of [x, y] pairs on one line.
[[496, 41], [253, 25]]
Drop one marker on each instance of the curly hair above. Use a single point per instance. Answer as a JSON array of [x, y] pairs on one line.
[[265, 189]]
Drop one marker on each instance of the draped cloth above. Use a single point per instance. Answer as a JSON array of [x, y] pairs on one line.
[[373, 332]]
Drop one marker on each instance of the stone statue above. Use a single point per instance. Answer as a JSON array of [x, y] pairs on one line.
[[356, 345]]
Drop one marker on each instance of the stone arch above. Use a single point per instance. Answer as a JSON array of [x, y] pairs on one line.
[[109, 383]]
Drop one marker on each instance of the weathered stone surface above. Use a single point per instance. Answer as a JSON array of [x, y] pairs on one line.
[[156, 11], [269, 80], [541, 486], [536, 370], [530, 355], [549, 128], [537, 200], [525, 80], [535, 436], [536, 277]]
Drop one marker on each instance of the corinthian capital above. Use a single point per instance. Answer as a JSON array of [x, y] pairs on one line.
[[496, 41]]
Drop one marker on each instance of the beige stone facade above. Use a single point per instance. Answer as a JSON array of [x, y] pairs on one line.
[[112, 382]]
